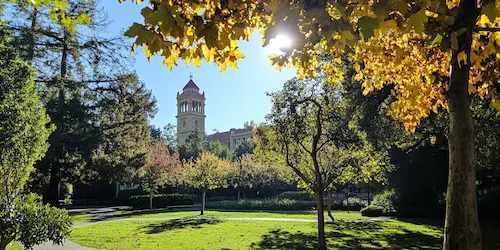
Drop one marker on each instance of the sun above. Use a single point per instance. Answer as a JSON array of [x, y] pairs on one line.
[[278, 43]]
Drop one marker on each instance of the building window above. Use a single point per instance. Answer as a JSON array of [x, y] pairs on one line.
[[184, 123], [195, 124]]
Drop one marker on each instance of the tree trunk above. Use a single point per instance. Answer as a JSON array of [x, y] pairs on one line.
[[55, 179], [329, 205], [3, 245], [239, 194], [203, 196], [369, 195], [151, 200], [321, 220], [461, 231]]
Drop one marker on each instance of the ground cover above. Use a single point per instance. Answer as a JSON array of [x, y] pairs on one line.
[[214, 233]]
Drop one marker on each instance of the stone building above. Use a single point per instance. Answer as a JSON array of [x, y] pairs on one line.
[[231, 138], [190, 111], [191, 117]]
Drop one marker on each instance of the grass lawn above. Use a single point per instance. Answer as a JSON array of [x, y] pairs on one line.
[[79, 217], [161, 213], [211, 233]]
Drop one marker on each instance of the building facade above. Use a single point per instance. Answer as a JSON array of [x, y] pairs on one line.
[[231, 138], [190, 111]]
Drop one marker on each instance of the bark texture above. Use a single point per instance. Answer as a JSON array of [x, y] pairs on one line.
[[321, 221], [203, 196], [462, 231]]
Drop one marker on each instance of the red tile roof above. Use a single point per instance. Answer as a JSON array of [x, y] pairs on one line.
[[190, 85]]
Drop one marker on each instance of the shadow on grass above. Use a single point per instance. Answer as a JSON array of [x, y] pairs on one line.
[[130, 213], [351, 236], [193, 222]]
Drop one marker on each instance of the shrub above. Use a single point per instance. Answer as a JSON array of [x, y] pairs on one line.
[[372, 211], [354, 203], [160, 201], [303, 195], [263, 204], [386, 200]]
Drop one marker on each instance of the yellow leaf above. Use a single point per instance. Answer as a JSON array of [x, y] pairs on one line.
[[462, 57]]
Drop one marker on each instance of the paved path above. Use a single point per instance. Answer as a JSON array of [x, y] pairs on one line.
[[105, 214]]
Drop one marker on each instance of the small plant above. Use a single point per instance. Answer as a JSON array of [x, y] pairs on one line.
[[372, 211], [386, 200], [354, 203]]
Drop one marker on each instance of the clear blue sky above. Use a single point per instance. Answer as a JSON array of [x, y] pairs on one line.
[[233, 96]]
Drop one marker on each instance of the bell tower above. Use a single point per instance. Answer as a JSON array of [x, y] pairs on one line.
[[190, 111]]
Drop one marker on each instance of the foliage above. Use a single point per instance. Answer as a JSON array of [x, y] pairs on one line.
[[219, 149], [354, 203], [206, 172], [366, 28], [192, 147], [263, 204], [57, 11], [160, 200], [422, 196], [24, 128], [167, 135], [303, 195], [123, 133], [161, 168], [31, 222], [372, 211], [385, 200]]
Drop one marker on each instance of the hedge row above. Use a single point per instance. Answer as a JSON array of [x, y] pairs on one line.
[[263, 204], [160, 200]]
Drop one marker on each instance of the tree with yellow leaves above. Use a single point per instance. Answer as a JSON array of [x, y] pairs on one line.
[[206, 172], [434, 54]]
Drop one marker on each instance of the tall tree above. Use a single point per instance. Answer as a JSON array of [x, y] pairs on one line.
[[97, 106], [24, 130], [432, 53], [315, 142], [161, 168], [206, 172]]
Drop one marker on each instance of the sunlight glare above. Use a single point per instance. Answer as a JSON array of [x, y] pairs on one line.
[[279, 42]]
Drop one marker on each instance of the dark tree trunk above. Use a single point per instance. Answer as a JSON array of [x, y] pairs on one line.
[[3, 245], [239, 194], [369, 195], [151, 200], [462, 231], [55, 169], [321, 220], [203, 196], [55, 179], [329, 205]]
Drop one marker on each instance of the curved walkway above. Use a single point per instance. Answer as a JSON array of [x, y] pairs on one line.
[[105, 214]]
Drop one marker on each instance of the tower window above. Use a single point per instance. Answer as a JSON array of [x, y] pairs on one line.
[[195, 124]]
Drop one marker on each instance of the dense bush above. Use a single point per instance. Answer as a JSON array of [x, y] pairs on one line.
[[386, 200], [372, 211], [354, 203], [161, 200], [303, 195], [263, 204], [489, 204]]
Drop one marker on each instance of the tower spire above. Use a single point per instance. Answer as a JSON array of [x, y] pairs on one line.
[[190, 76]]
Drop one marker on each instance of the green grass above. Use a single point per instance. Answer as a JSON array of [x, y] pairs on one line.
[[211, 233], [161, 213], [81, 217]]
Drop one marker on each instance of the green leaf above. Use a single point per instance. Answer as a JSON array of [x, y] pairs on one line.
[[134, 30], [366, 26], [418, 20], [491, 11]]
